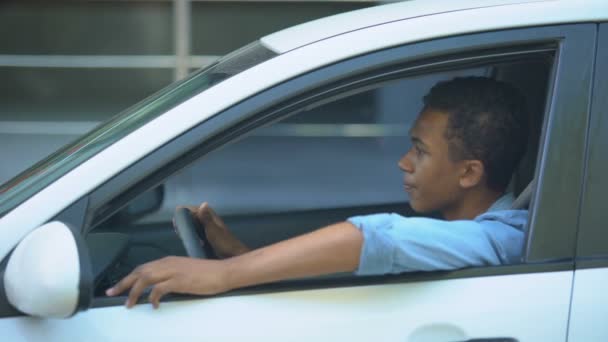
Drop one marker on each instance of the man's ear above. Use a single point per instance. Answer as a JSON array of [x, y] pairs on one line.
[[472, 173]]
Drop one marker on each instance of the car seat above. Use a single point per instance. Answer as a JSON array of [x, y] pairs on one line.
[[531, 77]]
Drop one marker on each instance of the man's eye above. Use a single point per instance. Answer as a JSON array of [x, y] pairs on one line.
[[418, 150]]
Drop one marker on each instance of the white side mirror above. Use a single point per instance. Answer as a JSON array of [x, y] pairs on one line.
[[49, 273]]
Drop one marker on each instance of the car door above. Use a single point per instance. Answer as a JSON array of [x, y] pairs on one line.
[[589, 301], [527, 302]]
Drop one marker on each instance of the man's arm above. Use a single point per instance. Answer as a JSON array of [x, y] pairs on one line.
[[332, 249]]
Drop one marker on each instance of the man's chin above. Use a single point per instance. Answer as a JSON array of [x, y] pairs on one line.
[[415, 205], [420, 208]]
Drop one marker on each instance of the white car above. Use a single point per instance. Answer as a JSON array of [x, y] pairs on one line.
[[310, 122]]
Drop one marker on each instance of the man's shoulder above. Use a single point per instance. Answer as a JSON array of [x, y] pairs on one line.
[[508, 217], [381, 219], [516, 218]]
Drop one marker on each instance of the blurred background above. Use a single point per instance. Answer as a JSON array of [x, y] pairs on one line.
[[66, 66]]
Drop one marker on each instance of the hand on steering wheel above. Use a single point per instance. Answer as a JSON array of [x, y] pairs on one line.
[[192, 235]]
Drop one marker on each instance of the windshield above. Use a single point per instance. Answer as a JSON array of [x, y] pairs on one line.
[[36, 178]]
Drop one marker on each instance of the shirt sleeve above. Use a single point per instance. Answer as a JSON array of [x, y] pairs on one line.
[[396, 244]]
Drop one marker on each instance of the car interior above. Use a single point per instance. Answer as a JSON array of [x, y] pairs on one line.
[[142, 231]]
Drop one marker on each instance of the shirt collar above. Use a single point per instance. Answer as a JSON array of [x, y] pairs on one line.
[[503, 203]]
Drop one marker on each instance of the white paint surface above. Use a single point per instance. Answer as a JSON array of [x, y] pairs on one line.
[[589, 306], [316, 30], [43, 273], [528, 307]]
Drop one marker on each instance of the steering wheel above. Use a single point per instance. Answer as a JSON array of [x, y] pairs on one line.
[[192, 235]]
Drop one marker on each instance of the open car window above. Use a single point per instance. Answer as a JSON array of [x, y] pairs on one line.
[[321, 163]]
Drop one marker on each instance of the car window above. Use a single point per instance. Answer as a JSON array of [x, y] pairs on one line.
[[339, 154], [34, 179], [323, 163]]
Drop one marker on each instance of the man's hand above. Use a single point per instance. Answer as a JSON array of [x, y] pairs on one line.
[[224, 243], [173, 274], [332, 249]]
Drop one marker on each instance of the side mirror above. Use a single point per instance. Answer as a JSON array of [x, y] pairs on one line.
[[49, 273], [145, 203]]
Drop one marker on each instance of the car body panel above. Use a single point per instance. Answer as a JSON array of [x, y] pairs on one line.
[[589, 301], [449, 310], [449, 17], [589, 306]]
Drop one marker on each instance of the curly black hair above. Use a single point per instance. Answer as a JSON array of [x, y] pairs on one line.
[[488, 121]]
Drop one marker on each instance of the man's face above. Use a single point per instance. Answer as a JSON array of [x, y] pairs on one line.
[[431, 178]]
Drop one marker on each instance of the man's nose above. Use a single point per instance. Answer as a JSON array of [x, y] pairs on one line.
[[405, 163]]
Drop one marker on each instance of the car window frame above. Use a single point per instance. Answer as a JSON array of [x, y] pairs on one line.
[[569, 93], [592, 250], [573, 42]]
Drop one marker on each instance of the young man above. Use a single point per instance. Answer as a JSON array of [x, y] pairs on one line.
[[466, 143]]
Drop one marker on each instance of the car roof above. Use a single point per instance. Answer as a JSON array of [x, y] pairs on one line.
[[444, 11]]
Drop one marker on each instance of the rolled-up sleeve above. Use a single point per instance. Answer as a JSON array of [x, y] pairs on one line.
[[396, 244]]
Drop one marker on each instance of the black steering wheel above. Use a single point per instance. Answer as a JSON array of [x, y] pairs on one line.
[[192, 235]]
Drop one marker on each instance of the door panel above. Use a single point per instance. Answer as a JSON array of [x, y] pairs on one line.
[[589, 299], [589, 306], [448, 310]]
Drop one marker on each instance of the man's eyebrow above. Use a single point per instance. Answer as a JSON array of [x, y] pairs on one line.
[[417, 140]]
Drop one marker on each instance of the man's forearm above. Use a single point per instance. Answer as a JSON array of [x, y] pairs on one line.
[[332, 249], [328, 250]]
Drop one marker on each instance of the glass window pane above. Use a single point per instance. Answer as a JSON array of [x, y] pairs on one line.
[[57, 94], [70, 156], [42, 109]]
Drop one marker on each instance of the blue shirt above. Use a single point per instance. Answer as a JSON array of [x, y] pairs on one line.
[[395, 244]]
